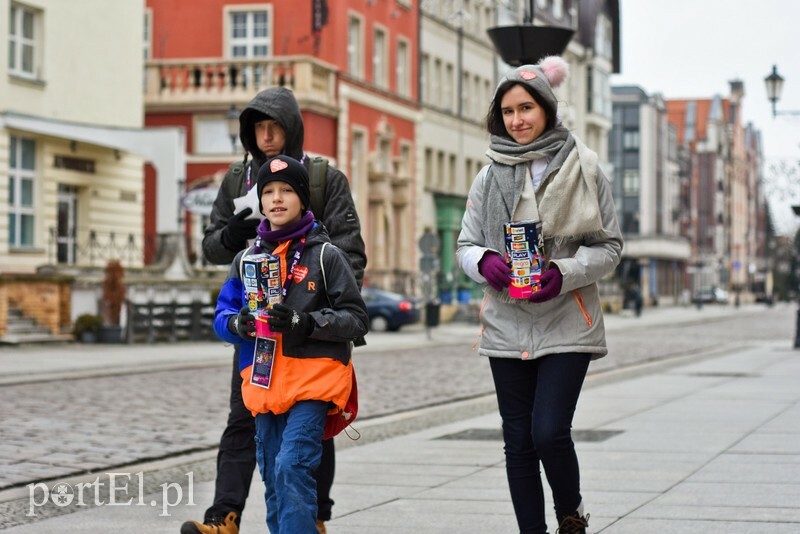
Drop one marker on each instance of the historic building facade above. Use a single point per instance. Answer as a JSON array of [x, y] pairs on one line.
[[352, 67]]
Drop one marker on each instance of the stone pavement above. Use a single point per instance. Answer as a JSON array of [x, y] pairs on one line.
[[698, 444]]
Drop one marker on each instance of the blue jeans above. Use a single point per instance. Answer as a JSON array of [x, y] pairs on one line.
[[288, 450], [537, 400]]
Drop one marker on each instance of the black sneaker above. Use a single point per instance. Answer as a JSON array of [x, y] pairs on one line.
[[216, 525]]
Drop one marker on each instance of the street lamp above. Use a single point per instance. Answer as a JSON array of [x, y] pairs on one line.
[[796, 246], [774, 83], [232, 120]]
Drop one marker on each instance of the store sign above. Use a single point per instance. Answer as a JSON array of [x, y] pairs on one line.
[[74, 164], [200, 200]]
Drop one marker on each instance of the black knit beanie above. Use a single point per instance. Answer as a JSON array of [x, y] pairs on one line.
[[285, 169]]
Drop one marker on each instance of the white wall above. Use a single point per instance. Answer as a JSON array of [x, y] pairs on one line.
[[92, 63]]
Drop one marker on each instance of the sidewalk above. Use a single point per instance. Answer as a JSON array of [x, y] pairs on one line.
[[698, 445]]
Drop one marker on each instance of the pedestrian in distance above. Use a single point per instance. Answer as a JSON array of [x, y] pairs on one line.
[[270, 124], [305, 367], [539, 348]]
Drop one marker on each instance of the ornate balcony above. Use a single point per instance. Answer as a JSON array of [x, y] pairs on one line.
[[179, 84]]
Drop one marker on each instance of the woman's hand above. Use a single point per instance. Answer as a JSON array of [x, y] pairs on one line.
[[551, 285], [494, 269]]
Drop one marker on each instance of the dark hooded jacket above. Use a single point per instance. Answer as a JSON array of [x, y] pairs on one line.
[[340, 218]]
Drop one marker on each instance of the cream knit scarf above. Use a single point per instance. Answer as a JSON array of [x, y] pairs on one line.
[[567, 197]]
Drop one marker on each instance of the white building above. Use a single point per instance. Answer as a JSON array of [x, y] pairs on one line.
[[72, 146]]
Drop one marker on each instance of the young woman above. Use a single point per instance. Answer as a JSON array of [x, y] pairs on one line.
[[540, 348], [310, 332]]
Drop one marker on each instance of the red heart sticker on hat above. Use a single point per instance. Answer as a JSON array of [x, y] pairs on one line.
[[527, 74], [277, 165]]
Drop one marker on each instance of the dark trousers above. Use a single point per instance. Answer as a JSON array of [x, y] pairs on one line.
[[537, 400], [236, 459]]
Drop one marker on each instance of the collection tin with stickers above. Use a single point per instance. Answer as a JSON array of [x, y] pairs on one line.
[[525, 256]]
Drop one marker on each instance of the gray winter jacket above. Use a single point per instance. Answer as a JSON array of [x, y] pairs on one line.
[[340, 218], [571, 322]]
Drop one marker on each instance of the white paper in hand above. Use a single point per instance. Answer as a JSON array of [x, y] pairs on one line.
[[250, 200]]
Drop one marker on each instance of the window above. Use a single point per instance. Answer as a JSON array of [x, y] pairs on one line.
[[436, 88], [429, 171], [425, 76], [406, 161], [249, 34], [598, 93], [147, 41], [602, 37], [355, 48], [23, 48], [379, 58], [466, 95], [558, 8], [439, 178], [211, 136], [448, 88], [630, 140], [358, 159], [22, 176], [403, 82], [452, 175], [630, 182]]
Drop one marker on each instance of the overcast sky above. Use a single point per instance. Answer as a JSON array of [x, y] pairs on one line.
[[692, 48]]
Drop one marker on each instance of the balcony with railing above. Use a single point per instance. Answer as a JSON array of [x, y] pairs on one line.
[[174, 84]]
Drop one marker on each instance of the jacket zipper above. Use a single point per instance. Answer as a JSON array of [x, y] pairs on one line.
[[578, 296], [480, 319]]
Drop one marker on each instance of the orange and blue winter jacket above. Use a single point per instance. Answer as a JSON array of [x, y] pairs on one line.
[[316, 367]]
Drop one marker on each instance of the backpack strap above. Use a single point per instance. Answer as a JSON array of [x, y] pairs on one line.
[[322, 268], [318, 182], [234, 187]]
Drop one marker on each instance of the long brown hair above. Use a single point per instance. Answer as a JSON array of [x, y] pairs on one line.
[[494, 118]]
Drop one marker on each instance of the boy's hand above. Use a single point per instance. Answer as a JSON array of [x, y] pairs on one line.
[[284, 319], [243, 324]]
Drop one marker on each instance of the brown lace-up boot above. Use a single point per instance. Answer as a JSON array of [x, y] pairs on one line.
[[227, 525], [573, 523]]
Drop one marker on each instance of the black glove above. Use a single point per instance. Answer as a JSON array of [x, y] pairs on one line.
[[243, 324], [285, 319], [238, 230]]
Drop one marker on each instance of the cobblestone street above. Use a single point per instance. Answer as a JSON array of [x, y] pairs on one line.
[[64, 427]]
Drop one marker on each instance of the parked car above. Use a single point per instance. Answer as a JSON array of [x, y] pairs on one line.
[[389, 311], [714, 295]]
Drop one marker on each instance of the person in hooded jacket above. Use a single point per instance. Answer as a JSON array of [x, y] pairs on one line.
[[539, 349], [309, 338], [270, 124]]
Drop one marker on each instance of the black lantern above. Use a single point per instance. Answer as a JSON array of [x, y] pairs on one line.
[[526, 43], [232, 120], [774, 83]]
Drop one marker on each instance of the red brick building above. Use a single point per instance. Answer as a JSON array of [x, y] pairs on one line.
[[352, 65]]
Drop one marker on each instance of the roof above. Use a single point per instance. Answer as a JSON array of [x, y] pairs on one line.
[[691, 116]]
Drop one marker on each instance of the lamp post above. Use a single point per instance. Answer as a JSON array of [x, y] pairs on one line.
[[796, 246], [232, 120], [774, 84]]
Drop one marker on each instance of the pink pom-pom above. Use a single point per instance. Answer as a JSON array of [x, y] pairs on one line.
[[555, 68]]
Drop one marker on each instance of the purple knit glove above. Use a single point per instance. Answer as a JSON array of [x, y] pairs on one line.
[[494, 269], [551, 285]]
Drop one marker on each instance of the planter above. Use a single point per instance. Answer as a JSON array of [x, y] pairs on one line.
[[111, 334], [88, 336]]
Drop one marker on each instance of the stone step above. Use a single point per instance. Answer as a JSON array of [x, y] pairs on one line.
[[35, 338]]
